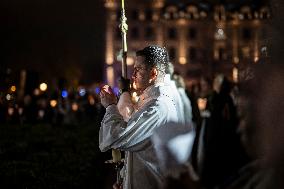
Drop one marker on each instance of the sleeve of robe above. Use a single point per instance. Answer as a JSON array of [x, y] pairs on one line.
[[118, 134], [125, 106]]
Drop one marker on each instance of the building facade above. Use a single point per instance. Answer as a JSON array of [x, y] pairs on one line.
[[202, 38]]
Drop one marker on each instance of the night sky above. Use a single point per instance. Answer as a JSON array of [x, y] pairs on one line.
[[51, 35]]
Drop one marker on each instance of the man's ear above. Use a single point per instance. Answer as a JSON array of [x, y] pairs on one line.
[[154, 73]]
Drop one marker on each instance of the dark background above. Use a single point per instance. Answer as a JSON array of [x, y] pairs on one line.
[[54, 37], [60, 38]]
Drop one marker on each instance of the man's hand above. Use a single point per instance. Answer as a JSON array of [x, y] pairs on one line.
[[107, 96]]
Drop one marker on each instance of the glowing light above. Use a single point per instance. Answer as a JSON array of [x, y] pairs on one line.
[[246, 52], [36, 92], [155, 17], [116, 90], [64, 94], [220, 31], [91, 100], [20, 111], [182, 60], [13, 88], [236, 60], [135, 97], [134, 86], [75, 107], [109, 60], [53, 103], [43, 87], [130, 61], [235, 74], [110, 75], [10, 111], [41, 113], [202, 102], [141, 16], [256, 59], [82, 92], [220, 34], [9, 97], [203, 14], [98, 90]]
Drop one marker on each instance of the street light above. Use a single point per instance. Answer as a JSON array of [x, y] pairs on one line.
[[53, 103], [43, 87], [13, 88]]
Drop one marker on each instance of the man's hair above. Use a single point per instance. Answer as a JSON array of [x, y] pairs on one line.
[[155, 56]]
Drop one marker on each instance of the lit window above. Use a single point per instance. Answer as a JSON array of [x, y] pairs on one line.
[[220, 34]]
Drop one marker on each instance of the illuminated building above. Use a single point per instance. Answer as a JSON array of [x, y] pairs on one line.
[[201, 38]]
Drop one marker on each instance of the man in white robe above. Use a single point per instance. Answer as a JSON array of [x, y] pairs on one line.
[[154, 109]]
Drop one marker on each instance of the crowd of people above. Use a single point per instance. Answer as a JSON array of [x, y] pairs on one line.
[[59, 108], [214, 137]]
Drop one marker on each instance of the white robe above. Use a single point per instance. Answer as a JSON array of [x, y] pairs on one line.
[[177, 98], [173, 144], [186, 106], [154, 109]]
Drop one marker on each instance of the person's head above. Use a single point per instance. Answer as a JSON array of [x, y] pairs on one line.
[[221, 84], [149, 67], [205, 86]]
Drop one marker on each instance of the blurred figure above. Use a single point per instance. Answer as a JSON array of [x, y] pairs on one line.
[[205, 87], [260, 105], [187, 109], [169, 80], [223, 153]]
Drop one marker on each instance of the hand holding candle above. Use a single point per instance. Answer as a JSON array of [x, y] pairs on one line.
[[107, 96]]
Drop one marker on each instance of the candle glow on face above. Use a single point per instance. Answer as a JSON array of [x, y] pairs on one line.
[[201, 102]]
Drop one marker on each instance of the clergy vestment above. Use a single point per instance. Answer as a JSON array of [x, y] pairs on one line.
[[154, 109]]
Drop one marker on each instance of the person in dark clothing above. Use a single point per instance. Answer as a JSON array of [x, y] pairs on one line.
[[223, 152]]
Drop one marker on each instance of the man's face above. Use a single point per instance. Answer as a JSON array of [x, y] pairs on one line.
[[141, 74]]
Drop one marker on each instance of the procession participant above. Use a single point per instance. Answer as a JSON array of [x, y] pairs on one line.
[[155, 108], [177, 98]]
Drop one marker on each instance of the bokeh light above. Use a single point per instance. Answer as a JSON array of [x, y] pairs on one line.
[[64, 94], [53, 103], [43, 87], [13, 88]]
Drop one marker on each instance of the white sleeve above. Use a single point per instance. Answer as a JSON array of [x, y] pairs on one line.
[[125, 106], [118, 134]]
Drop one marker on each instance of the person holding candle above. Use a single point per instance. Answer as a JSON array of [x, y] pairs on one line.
[[154, 109]]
